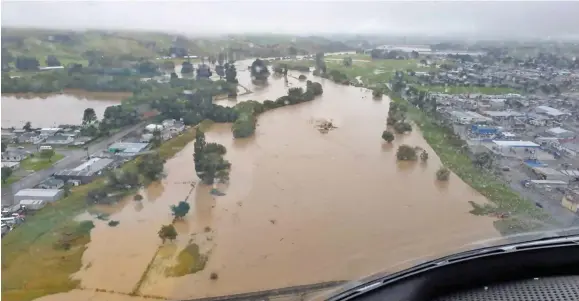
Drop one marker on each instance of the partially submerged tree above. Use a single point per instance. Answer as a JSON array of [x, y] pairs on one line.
[[167, 232], [151, 166], [443, 174], [388, 136], [406, 153], [27, 126], [424, 156], [402, 127], [259, 70], [180, 210]]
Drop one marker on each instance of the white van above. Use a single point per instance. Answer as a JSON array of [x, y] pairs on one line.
[[45, 147]]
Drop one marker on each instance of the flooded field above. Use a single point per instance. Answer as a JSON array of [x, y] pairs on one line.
[[302, 207], [47, 110]]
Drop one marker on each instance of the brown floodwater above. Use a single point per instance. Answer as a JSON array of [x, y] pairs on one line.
[[47, 110], [301, 207]]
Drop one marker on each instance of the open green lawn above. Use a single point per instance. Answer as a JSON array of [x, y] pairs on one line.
[[33, 264], [36, 163]]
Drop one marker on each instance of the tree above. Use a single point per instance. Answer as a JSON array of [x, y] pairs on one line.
[[347, 61], [47, 154], [4, 146], [292, 50], [483, 160], [231, 73], [377, 93], [424, 156], [180, 210], [388, 136], [406, 153], [89, 116], [443, 174], [157, 139], [138, 197], [151, 166], [167, 232], [174, 76], [27, 63], [6, 173], [27, 126], [66, 189], [52, 61], [221, 58], [259, 70], [402, 127], [186, 68]]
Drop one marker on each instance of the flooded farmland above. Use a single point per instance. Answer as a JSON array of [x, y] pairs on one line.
[[301, 207], [47, 110]]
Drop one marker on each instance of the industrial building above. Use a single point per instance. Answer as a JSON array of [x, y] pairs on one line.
[[48, 195], [86, 172], [127, 148]]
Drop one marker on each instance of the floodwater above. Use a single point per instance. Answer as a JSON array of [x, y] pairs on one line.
[[302, 207], [48, 110]]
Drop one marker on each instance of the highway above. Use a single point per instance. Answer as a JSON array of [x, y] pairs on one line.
[[73, 158]]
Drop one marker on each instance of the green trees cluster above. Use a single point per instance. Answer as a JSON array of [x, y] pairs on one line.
[[230, 73], [167, 232], [150, 166], [209, 161], [388, 136], [397, 118], [259, 70], [244, 125]]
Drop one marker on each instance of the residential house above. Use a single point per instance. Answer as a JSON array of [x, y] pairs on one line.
[[28, 137], [14, 155], [59, 139], [49, 131], [51, 183]]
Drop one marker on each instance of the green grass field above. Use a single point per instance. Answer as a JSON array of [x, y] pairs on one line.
[[34, 164]]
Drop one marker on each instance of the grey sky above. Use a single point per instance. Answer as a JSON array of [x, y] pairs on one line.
[[302, 17]]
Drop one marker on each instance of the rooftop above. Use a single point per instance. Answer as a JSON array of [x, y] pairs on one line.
[[128, 147], [37, 192], [87, 168]]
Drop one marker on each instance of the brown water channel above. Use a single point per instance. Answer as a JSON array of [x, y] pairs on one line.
[[48, 110], [301, 207]]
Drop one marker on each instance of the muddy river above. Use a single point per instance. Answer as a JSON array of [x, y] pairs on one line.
[[48, 110], [302, 207]]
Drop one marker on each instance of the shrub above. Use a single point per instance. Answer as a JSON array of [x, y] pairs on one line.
[[138, 197], [302, 77], [213, 276], [424, 156], [443, 174]]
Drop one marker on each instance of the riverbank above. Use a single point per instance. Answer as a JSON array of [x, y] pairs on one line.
[[524, 215], [32, 265]]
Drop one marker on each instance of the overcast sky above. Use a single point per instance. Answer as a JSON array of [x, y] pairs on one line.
[[302, 17]]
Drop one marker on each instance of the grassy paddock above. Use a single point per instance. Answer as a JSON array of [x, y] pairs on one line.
[[33, 264], [189, 261]]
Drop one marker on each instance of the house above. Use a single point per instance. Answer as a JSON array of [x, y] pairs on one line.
[[45, 132], [28, 137], [14, 155], [127, 148], [59, 139], [146, 138], [11, 165], [571, 201], [51, 183], [48, 195], [86, 172]]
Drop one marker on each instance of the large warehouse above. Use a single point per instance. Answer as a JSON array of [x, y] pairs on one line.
[[85, 172], [48, 195]]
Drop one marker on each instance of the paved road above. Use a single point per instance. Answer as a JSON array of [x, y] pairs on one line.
[[73, 158]]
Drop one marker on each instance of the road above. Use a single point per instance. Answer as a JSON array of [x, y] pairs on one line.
[[73, 158]]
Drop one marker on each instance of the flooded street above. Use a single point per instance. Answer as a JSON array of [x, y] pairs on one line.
[[49, 110], [302, 207]]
